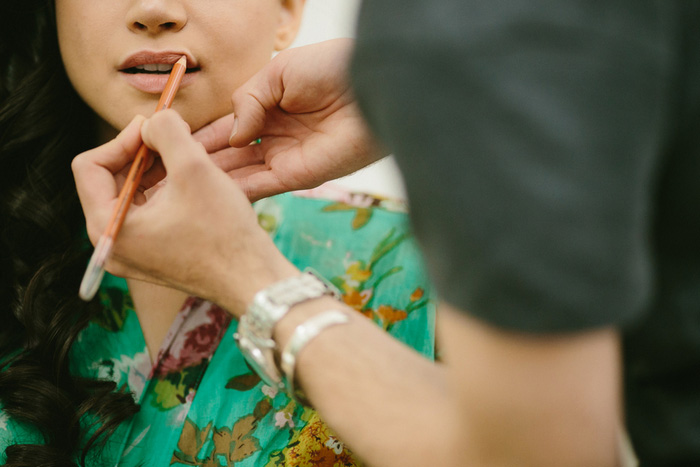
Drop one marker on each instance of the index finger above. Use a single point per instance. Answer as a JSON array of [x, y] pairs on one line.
[[94, 170], [214, 136]]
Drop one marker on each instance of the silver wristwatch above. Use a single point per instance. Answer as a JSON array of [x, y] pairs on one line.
[[254, 334]]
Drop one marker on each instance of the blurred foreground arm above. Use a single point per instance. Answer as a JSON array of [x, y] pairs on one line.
[[501, 398], [302, 108]]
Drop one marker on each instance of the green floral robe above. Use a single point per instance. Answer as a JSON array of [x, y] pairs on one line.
[[201, 405]]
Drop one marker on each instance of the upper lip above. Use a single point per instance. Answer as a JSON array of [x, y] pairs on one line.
[[145, 57]]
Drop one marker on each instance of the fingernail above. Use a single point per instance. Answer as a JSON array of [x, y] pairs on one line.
[[234, 130], [134, 122]]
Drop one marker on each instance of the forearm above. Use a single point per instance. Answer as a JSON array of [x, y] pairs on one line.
[[501, 399], [533, 400], [386, 401]]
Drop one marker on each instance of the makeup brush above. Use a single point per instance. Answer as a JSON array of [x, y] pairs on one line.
[[96, 267]]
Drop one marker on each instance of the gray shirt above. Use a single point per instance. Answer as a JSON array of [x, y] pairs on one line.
[[551, 152]]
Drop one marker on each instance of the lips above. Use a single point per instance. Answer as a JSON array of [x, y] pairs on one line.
[[157, 58], [148, 71]]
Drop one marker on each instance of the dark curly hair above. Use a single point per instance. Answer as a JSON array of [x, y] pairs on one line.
[[43, 248]]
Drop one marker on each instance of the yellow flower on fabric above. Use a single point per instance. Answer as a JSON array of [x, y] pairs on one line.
[[417, 294], [390, 315], [315, 445], [357, 299], [357, 272]]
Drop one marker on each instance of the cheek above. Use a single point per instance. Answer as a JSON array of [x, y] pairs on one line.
[[69, 24], [240, 52], [75, 44], [84, 50]]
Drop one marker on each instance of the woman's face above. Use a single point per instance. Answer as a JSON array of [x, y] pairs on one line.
[[118, 53]]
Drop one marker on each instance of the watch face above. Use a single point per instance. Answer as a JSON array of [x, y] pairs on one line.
[[254, 336], [257, 360]]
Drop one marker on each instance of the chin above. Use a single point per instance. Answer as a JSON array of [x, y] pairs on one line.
[[198, 121]]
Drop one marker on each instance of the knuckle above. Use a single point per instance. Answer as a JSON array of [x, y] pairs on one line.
[[189, 168], [167, 124], [194, 166], [81, 161], [246, 187], [76, 163], [93, 232], [160, 121]]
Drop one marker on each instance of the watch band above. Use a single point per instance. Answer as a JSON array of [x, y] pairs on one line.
[[273, 302], [255, 328]]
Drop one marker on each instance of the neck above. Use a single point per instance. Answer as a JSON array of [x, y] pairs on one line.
[[156, 307]]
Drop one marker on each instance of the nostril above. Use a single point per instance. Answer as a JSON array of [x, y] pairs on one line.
[[166, 26]]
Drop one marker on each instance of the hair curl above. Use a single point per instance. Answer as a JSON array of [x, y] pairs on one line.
[[43, 249]]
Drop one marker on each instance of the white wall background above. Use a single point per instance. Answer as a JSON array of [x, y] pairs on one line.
[[329, 19]]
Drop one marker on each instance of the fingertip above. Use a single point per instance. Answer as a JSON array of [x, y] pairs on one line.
[[138, 119], [135, 122], [249, 122], [242, 136], [168, 118], [169, 135], [145, 133], [234, 130], [156, 125]]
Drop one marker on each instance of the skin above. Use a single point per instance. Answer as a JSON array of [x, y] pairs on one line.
[[228, 41], [313, 134], [501, 398]]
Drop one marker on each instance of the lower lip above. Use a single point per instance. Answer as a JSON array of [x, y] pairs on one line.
[[153, 83]]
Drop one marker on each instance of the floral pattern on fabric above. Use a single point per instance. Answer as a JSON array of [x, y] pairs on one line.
[[125, 371], [117, 305], [360, 285], [3, 421], [201, 404], [231, 444], [187, 352], [315, 445]]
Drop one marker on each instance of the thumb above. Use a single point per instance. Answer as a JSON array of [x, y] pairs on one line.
[[253, 101], [169, 135], [215, 135]]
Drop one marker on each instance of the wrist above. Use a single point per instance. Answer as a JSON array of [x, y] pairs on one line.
[[245, 275], [299, 314], [255, 334]]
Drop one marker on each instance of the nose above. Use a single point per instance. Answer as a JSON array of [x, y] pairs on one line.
[[156, 16]]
